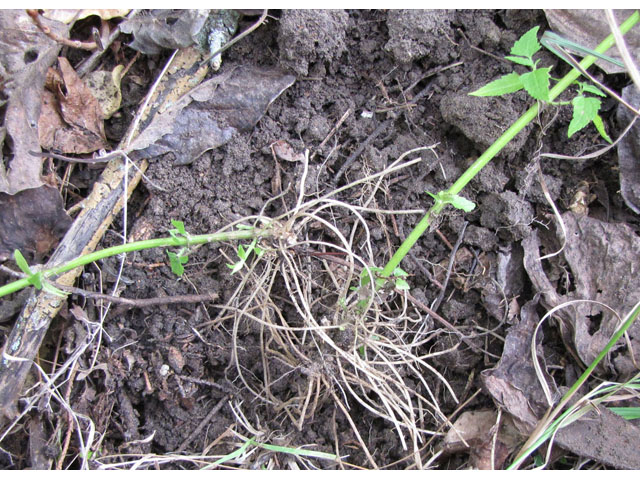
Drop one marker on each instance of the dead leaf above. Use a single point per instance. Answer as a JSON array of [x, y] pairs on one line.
[[33, 221], [603, 260], [105, 87], [628, 149], [589, 27], [513, 384], [284, 151], [473, 432], [212, 113], [26, 55], [71, 122], [158, 29], [73, 15]]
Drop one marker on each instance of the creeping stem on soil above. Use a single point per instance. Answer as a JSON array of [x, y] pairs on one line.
[[136, 246], [498, 145]]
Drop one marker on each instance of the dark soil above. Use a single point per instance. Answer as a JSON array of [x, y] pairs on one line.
[[163, 369]]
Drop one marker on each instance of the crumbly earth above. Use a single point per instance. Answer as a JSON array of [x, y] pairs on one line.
[[165, 368]]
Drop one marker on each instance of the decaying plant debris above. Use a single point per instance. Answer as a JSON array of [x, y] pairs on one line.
[[326, 129]]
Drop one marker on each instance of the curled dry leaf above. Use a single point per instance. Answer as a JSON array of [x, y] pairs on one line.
[[628, 149], [160, 29], [473, 432], [105, 87], [212, 113], [71, 122], [593, 247], [73, 15], [514, 384], [26, 55]]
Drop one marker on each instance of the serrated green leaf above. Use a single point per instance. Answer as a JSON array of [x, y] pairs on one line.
[[242, 254], [506, 84], [401, 284], [176, 263], [584, 111], [398, 272], [593, 89], [527, 45], [536, 83], [527, 62], [599, 124], [179, 226]]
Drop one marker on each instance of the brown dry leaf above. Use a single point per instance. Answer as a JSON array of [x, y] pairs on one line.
[[286, 152], [158, 29], [73, 15], [473, 431], [212, 113], [71, 122], [603, 260], [513, 384], [628, 149], [32, 221], [105, 87], [26, 56]]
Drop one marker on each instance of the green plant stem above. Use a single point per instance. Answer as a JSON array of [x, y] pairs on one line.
[[177, 241], [498, 145]]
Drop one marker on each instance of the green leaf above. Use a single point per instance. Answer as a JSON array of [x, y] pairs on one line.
[[599, 124], [402, 284], [176, 263], [34, 279], [179, 227], [527, 45], [47, 287], [628, 413], [527, 62], [536, 83], [506, 84], [236, 267], [365, 279], [585, 110], [398, 272], [242, 254], [593, 89], [21, 262], [461, 203]]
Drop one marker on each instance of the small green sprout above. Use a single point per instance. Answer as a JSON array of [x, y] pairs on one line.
[[36, 279], [443, 198], [243, 252], [179, 259], [398, 275], [536, 83]]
